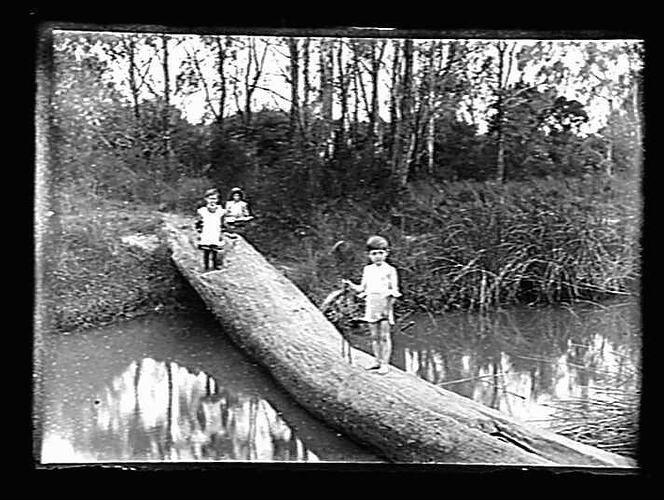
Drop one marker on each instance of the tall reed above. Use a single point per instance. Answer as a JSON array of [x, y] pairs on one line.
[[478, 245], [482, 246]]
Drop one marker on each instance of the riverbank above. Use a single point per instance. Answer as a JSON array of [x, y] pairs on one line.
[[107, 263], [457, 246]]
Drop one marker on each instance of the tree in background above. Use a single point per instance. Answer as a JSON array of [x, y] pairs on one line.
[[324, 137]]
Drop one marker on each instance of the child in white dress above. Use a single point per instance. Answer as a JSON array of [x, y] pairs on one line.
[[237, 211], [380, 287], [209, 224]]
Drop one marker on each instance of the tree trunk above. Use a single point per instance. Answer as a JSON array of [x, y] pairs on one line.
[[395, 91], [295, 86], [306, 90], [326, 97], [431, 105], [221, 62], [247, 87], [404, 417], [610, 140], [167, 107], [636, 109], [405, 136], [250, 83], [375, 68], [355, 122], [343, 99], [133, 85], [500, 140], [500, 157]]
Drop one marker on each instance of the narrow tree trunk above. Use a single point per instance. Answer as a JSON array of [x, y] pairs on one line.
[[293, 50], [247, 87], [373, 115], [404, 417], [395, 97], [406, 136], [221, 70], [609, 149], [167, 107], [343, 99], [431, 105], [306, 90], [326, 96], [376, 60], [500, 141], [133, 86], [636, 107], [355, 123]]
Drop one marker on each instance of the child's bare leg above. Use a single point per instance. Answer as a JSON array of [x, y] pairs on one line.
[[374, 329], [386, 342], [385, 346]]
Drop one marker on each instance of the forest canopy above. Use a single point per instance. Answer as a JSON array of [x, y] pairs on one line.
[[329, 117]]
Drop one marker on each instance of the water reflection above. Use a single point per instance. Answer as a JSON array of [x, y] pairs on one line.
[[519, 361], [161, 411], [143, 391]]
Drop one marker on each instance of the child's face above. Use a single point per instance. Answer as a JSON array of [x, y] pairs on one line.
[[211, 201], [377, 256], [237, 196]]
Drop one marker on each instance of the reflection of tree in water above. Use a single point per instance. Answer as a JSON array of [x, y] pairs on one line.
[[119, 432], [513, 358], [176, 415]]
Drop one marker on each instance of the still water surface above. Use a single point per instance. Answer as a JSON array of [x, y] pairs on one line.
[[174, 388]]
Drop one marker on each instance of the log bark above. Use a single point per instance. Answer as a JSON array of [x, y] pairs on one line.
[[400, 416]]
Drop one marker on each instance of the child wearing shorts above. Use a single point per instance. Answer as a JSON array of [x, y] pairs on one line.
[[380, 288]]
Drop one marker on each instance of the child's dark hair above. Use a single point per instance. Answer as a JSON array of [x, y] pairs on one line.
[[211, 192], [377, 243], [236, 190]]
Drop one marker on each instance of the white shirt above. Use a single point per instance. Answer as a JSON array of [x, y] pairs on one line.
[[380, 279], [236, 209]]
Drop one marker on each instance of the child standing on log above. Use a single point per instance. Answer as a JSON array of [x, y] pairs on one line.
[[209, 224], [237, 211], [380, 287]]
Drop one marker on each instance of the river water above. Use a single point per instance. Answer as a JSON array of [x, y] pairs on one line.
[[174, 388]]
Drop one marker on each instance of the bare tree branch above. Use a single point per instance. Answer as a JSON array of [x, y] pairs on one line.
[[208, 102]]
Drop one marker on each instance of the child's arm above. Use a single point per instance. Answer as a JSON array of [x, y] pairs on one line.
[[245, 216], [389, 304], [245, 210], [357, 288], [352, 286], [393, 285], [198, 224]]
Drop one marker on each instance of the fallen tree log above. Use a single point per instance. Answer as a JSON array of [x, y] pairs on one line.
[[403, 417]]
